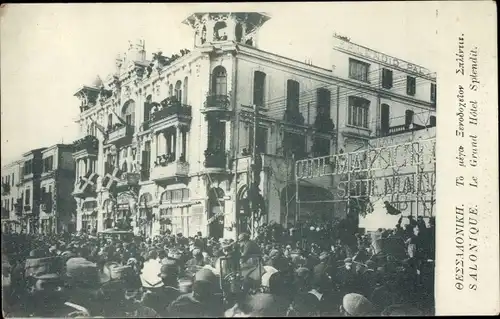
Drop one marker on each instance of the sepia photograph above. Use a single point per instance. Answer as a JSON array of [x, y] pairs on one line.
[[223, 160]]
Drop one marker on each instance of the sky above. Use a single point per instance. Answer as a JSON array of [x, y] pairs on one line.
[[49, 51]]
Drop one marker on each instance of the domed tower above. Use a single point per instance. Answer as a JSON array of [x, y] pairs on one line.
[[216, 27]]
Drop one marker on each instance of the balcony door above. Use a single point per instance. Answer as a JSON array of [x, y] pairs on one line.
[[219, 81], [384, 119]]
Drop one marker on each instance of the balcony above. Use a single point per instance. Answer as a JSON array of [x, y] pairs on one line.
[[401, 129], [171, 171], [46, 207], [87, 146], [83, 190], [170, 113], [245, 161], [5, 188], [217, 104], [128, 180], [120, 134], [324, 124], [215, 161]]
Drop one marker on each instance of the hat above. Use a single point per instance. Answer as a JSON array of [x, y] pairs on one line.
[[357, 305], [168, 270], [243, 236], [264, 305], [80, 270], [132, 261], [204, 275], [302, 272]]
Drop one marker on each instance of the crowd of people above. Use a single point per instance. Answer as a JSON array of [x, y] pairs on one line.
[[294, 271]]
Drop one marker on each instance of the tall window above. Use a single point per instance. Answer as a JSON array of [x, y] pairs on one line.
[[185, 100], [358, 70], [385, 118], [28, 167], [146, 160], [217, 135], [48, 164], [433, 92], [323, 102], [292, 95], [260, 141], [178, 91], [432, 121], [358, 112], [110, 120], [410, 85], [128, 112], [219, 81], [28, 197], [386, 78], [147, 109], [408, 118], [321, 146], [170, 90], [259, 82]]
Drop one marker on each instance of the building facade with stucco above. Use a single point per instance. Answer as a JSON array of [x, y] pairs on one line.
[[167, 142]]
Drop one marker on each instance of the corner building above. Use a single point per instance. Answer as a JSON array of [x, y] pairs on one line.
[[166, 143]]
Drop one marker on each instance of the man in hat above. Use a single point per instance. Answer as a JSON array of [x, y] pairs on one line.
[[357, 305], [201, 302], [151, 269], [248, 248]]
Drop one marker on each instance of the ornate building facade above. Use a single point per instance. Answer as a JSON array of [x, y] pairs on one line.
[[206, 140]]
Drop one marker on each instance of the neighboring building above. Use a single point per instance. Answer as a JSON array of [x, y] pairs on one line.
[[57, 206], [44, 180], [11, 193], [167, 142]]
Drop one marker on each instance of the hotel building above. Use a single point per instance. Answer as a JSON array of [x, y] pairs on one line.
[[167, 143]]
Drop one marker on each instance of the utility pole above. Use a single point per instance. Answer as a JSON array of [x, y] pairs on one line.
[[255, 173]]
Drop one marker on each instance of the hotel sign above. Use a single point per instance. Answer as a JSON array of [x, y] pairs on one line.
[[341, 44]]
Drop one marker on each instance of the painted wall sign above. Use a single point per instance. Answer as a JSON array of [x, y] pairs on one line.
[[348, 47]]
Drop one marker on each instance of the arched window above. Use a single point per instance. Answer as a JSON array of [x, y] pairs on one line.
[[185, 100], [178, 91], [219, 81], [220, 33], [385, 118], [238, 32], [110, 120], [124, 166], [128, 112]]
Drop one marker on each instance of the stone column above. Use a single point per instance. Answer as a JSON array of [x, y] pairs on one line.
[[77, 170], [154, 150], [186, 140], [178, 146]]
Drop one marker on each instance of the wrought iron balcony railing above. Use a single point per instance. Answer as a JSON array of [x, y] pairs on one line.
[[215, 159], [217, 102]]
